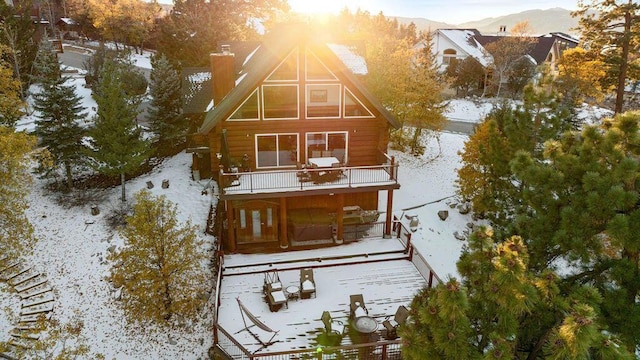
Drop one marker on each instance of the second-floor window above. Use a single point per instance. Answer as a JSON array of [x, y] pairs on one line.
[[276, 150], [280, 102]]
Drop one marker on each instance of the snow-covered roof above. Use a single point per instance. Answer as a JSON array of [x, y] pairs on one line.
[[68, 21], [349, 58], [465, 40]]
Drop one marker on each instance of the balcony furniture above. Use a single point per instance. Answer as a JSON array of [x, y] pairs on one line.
[[365, 324], [357, 306], [273, 290], [307, 284], [391, 325], [255, 322], [292, 291], [331, 326]]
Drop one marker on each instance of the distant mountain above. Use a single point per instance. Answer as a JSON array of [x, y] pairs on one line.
[[540, 21]]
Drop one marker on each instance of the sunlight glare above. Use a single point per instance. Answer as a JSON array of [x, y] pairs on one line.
[[317, 7]]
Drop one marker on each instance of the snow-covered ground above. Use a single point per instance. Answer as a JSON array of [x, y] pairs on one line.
[[73, 244]]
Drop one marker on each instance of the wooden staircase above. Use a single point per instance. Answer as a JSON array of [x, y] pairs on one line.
[[37, 301]]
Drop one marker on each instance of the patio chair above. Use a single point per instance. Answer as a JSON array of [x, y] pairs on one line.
[[331, 326], [273, 291], [303, 174], [391, 325], [358, 307], [307, 284], [327, 153], [316, 153]]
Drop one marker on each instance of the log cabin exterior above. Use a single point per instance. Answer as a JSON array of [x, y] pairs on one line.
[[295, 98]]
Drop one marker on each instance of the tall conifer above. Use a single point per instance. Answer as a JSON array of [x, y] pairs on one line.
[[59, 112], [165, 111], [117, 146]]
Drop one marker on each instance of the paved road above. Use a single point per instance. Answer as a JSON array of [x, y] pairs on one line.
[[76, 57]]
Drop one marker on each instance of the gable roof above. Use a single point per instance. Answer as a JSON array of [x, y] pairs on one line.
[[263, 59], [467, 41]]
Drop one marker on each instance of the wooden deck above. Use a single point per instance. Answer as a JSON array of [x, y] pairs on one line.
[[385, 285]]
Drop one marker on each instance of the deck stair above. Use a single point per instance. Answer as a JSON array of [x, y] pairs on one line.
[[37, 301]]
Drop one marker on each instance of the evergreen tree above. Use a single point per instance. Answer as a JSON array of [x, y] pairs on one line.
[[160, 269], [59, 112], [11, 104], [488, 153], [611, 31], [165, 112], [501, 310], [15, 229], [186, 36], [117, 146], [584, 196]]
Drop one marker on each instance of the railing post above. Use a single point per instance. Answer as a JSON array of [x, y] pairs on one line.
[[384, 351]]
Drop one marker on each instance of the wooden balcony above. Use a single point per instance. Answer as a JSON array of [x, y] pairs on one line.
[[275, 183]]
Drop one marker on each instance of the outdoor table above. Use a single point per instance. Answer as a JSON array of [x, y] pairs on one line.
[[365, 324], [293, 291], [324, 162]]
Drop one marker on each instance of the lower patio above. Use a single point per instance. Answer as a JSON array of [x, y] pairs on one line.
[[386, 272]]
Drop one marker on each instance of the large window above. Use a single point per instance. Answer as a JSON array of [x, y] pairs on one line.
[[276, 150], [280, 101], [316, 69], [248, 110], [287, 70], [323, 101], [327, 144]]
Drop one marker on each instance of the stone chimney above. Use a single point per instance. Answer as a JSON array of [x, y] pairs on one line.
[[222, 73]]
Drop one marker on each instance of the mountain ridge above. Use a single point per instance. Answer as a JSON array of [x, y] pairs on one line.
[[541, 22]]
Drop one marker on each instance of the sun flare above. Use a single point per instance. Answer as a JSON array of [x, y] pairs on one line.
[[317, 7]]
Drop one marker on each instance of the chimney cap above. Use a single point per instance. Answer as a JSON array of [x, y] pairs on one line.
[[226, 49]]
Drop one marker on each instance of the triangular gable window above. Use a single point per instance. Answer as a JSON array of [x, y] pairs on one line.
[[316, 70], [353, 107], [248, 110], [287, 70]]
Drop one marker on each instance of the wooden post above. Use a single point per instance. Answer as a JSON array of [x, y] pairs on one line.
[[282, 234], [388, 222], [340, 218], [231, 228]]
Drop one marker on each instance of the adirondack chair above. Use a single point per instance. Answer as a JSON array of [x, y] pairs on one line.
[[307, 284], [392, 324], [331, 326], [273, 291], [357, 307]]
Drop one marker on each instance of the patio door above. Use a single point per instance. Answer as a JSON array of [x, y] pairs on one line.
[[257, 221]]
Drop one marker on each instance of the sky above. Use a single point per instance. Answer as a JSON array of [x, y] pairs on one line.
[[451, 12]]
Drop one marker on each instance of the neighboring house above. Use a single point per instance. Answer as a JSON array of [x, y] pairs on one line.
[[296, 142], [67, 29], [457, 44]]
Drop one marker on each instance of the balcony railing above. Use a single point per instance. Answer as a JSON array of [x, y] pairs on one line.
[[256, 182]]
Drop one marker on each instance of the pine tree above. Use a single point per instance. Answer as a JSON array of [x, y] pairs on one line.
[[160, 269], [501, 310], [611, 31], [117, 146], [585, 199], [59, 112], [11, 104], [165, 113], [15, 229]]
